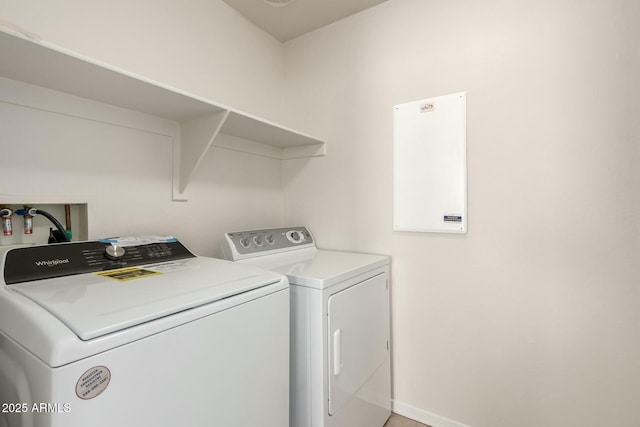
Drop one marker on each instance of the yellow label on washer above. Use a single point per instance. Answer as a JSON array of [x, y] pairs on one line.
[[129, 273]]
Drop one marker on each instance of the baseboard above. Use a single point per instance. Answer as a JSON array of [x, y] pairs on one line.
[[423, 416]]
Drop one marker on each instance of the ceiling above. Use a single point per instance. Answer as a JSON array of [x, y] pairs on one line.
[[299, 17]]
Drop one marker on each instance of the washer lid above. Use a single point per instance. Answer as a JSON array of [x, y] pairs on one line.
[[96, 304], [318, 269]]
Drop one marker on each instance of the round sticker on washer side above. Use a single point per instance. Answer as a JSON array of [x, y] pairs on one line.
[[93, 382]]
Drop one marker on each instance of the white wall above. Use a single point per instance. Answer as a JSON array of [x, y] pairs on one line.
[[201, 46], [532, 317]]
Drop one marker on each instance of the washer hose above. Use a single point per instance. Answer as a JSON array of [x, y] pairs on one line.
[[62, 236]]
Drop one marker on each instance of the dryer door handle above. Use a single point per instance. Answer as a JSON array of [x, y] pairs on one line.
[[337, 352]]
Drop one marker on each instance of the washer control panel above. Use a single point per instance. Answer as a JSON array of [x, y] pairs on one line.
[[30, 263], [250, 243]]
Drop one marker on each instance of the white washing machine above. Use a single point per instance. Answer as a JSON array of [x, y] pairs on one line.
[[133, 332], [340, 364]]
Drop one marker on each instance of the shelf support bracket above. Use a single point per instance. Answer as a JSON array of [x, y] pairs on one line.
[[196, 136]]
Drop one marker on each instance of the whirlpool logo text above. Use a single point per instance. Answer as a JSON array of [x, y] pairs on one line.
[[52, 262]]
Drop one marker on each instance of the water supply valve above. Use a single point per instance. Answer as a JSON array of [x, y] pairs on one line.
[[7, 226], [28, 221]]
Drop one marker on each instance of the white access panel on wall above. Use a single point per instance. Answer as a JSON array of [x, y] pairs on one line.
[[430, 165]]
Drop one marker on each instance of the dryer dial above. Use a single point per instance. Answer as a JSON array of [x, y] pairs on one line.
[[295, 236], [245, 242]]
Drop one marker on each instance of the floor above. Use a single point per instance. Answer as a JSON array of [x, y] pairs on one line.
[[400, 421]]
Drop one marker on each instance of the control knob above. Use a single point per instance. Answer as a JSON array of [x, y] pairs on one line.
[[114, 252], [245, 242], [295, 236]]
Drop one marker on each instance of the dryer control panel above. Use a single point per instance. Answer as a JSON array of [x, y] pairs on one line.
[[251, 243]]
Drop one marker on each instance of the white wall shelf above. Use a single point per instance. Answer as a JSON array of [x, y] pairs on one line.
[[203, 123]]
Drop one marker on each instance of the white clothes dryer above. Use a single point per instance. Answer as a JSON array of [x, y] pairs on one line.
[[132, 332], [340, 363]]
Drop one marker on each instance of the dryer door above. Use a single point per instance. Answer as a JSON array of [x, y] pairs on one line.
[[358, 337]]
